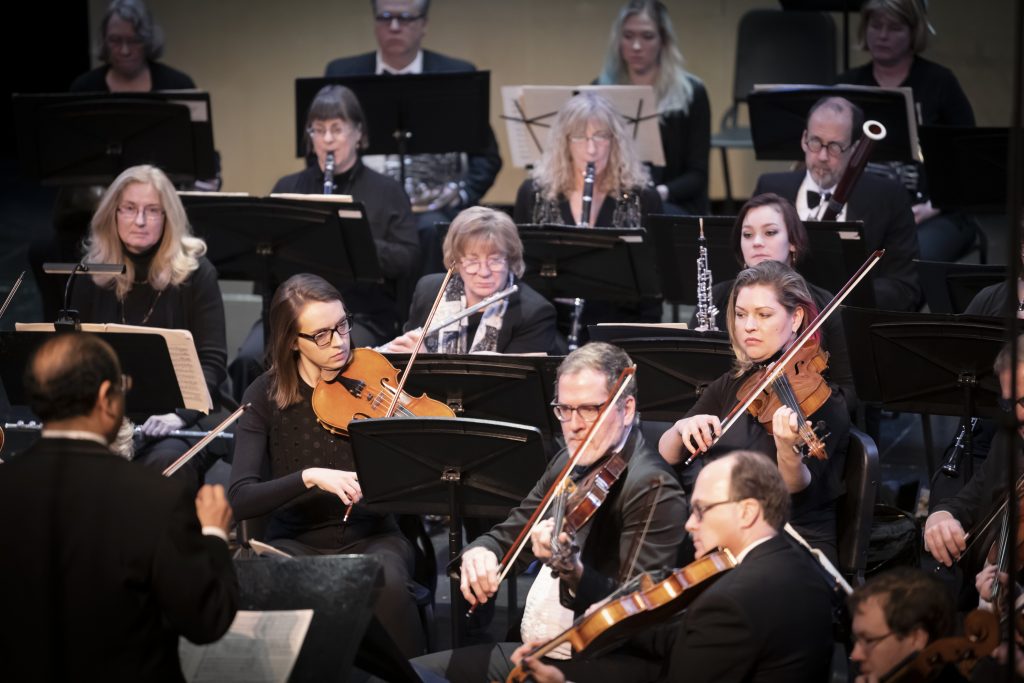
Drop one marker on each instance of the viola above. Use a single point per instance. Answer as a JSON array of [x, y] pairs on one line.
[[981, 636], [622, 616], [800, 387], [366, 388]]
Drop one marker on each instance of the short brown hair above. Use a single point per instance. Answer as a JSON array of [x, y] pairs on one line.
[[285, 309], [337, 102], [494, 227], [755, 475], [796, 233], [911, 599]]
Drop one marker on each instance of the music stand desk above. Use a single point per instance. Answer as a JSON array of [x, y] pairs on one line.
[[950, 287]]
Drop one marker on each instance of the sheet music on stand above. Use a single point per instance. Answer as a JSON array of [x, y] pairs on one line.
[[530, 110]]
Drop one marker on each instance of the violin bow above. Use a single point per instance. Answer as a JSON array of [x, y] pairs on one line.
[[542, 507], [201, 444], [10, 295], [780, 365]]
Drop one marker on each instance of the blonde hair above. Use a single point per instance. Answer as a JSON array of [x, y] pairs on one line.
[[674, 85], [179, 250], [555, 174], [909, 12], [791, 291], [490, 226]]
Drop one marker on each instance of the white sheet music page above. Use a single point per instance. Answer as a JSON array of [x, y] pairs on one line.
[[260, 647]]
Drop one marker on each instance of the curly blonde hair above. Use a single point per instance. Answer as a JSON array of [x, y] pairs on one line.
[[555, 175], [179, 250]]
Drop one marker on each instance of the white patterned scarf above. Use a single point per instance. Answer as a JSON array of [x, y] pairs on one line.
[[454, 338]]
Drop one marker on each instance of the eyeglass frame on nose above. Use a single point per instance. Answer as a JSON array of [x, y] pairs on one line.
[[472, 267], [403, 18], [830, 147], [149, 213], [122, 41], [558, 408], [338, 132], [869, 643], [342, 328], [697, 510], [602, 137]]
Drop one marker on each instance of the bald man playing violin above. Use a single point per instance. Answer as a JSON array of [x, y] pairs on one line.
[[635, 529]]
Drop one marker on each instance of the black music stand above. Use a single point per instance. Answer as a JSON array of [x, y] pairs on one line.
[[950, 287], [516, 389], [411, 114], [837, 250], [673, 370], [898, 363], [89, 138], [966, 167], [269, 239], [442, 466], [144, 357], [611, 264], [778, 117]]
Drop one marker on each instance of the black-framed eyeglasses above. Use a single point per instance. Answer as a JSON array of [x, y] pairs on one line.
[[588, 412], [834, 148], [323, 338], [698, 510], [1006, 405], [403, 18], [868, 642]]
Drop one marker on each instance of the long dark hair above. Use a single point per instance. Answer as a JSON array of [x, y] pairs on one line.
[[285, 309]]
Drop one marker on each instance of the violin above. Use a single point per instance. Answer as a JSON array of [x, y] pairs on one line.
[[621, 616], [800, 387], [981, 636], [366, 388]]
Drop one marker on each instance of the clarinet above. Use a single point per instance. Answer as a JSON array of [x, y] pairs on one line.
[[329, 174], [585, 208], [707, 312]]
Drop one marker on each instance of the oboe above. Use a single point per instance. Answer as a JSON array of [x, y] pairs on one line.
[[586, 204], [329, 174], [707, 312]]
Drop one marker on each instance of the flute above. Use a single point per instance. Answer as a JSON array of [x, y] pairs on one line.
[[33, 426], [470, 310]]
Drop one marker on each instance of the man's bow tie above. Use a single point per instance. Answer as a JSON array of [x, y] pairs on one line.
[[813, 198]]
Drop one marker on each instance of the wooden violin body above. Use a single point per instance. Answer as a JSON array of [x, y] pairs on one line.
[[623, 616], [366, 388], [981, 636]]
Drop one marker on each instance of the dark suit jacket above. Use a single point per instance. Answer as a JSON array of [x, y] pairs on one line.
[[483, 167], [888, 223], [103, 567], [528, 324]]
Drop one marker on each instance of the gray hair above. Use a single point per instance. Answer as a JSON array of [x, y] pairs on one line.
[[135, 13], [602, 357]]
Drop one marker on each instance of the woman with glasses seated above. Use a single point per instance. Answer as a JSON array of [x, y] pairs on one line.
[[485, 247], [290, 469], [769, 307], [168, 282], [131, 43]]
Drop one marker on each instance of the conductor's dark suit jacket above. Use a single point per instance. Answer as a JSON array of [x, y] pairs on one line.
[[103, 565], [888, 223], [484, 166]]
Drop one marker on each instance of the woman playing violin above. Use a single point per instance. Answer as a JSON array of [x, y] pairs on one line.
[[485, 247], [300, 476], [769, 306]]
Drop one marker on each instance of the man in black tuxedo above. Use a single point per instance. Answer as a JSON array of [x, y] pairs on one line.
[[105, 563], [883, 205], [439, 185], [769, 620]]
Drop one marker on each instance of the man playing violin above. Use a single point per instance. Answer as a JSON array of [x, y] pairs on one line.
[[769, 306], [895, 616], [647, 495], [768, 620]]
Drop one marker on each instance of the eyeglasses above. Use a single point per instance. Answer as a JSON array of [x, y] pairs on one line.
[[869, 642], [122, 41], [335, 131], [323, 338], [600, 138], [403, 18], [698, 510], [472, 266], [834, 148], [1006, 405], [587, 412], [130, 212]]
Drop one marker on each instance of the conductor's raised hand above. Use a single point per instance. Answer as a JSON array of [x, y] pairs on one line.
[[479, 575], [212, 507]]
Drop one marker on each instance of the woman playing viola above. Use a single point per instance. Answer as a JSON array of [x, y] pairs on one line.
[[485, 247], [290, 469], [769, 306]]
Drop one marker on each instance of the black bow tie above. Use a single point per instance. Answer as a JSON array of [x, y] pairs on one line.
[[813, 198]]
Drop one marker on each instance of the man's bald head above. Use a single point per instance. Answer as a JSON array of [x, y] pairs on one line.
[[64, 377]]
